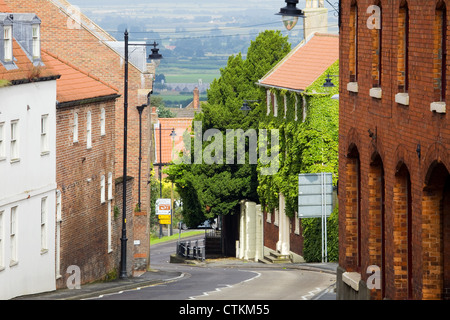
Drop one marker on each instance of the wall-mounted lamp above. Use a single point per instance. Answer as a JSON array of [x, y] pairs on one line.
[[245, 107], [290, 14]]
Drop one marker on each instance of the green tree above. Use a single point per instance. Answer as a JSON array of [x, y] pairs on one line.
[[209, 190]]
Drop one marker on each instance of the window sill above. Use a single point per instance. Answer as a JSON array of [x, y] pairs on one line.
[[376, 93], [352, 279], [2, 268], [402, 98], [44, 251], [438, 107], [15, 160], [45, 153], [2, 158], [13, 263], [352, 87]]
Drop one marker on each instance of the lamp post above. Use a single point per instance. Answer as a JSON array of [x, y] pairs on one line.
[[123, 240]]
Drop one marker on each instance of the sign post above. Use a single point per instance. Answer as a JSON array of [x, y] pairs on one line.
[[164, 211], [315, 199]]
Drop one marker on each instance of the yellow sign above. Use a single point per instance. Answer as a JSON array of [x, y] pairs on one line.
[[165, 220]]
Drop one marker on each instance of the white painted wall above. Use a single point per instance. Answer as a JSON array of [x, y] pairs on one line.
[[23, 184]]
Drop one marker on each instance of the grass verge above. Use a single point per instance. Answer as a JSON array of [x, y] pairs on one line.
[[155, 239]]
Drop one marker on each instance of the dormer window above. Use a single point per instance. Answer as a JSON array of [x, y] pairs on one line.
[[7, 43], [36, 35]]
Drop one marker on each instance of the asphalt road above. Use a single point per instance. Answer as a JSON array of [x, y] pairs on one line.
[[226, 283]]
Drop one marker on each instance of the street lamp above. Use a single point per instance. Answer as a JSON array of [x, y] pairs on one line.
[[123, 239], [290, 14], [245, 107]]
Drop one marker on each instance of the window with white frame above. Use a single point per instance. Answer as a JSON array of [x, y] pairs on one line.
[[7, 44], [44, 134], [110, 185], [75, 127], [103, 122], [2, 242], [44, 224], [102, 189], [2, 141], [89, 130], [36, 35], [14, 140], [13, 235]]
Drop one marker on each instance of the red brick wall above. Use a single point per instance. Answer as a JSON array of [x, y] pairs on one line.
[[271, 235], [397, 130], [84, 228]]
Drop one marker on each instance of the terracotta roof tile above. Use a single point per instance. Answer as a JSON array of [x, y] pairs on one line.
[[4, 7], [305, 63], [74, 83]]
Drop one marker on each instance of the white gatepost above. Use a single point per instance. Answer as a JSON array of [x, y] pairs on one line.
[[242, 231], [250, 234], [283, 244], [259, 250]]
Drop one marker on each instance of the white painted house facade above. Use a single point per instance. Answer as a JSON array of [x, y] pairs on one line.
[[27, 166]]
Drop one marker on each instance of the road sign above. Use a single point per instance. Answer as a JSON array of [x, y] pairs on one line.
[[315, 195], [163, 207], [164, 219], [315, 200]]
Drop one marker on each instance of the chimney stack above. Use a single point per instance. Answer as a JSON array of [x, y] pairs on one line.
[[196, 98], [316, 18]]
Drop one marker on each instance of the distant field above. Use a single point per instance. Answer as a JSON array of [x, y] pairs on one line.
[[191, 70], [190, 77]]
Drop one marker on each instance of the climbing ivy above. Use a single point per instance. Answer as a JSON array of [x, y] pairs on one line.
[[307, 145]]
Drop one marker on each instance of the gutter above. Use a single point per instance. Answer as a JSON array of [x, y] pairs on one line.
[[40, 79], [60, 105]]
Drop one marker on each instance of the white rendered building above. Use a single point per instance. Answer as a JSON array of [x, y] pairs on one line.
[[27, 161]]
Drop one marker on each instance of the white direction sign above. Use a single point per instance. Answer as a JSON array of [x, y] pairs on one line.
[[315, 198], [163, 206]]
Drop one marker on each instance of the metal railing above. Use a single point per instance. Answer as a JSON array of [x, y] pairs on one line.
[[194, 249]]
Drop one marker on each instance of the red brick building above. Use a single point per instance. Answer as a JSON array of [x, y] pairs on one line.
[[394, 150], [87, 235]]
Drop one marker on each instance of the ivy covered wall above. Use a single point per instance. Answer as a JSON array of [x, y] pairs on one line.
[[309, 135]]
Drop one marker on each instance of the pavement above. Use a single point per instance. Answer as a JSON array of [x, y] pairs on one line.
[[157, 277]]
